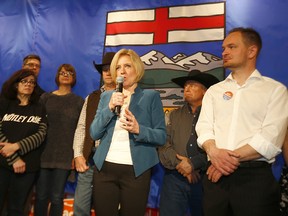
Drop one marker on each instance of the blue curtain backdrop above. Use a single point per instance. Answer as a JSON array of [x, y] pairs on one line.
[[73, 31]]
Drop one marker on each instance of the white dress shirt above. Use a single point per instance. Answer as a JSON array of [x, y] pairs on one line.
[[255, 113]]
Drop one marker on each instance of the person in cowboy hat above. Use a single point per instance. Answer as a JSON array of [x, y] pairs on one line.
[[183, 160], [83, 144]]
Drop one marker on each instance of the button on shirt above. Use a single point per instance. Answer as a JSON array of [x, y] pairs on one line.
[[180, 134], [193, 151], [255, 113]]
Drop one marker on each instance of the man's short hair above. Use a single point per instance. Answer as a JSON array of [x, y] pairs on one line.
[[250, 36], [31, 56]]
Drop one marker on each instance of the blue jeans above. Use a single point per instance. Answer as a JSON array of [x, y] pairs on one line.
[[50, 187], [83, 193], [179, 197]]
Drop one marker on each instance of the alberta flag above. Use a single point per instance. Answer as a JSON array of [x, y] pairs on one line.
[[171, 42], [179, 24]]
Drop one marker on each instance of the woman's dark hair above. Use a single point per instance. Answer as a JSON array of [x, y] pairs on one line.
[[67, 67], [9, 88]]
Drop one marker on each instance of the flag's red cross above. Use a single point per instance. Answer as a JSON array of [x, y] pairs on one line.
[[163, 24]]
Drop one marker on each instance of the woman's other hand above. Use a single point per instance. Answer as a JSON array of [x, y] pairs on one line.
[[129, 122]]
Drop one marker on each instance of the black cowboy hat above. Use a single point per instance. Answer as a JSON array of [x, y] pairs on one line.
[[204, 78], [107, 59]]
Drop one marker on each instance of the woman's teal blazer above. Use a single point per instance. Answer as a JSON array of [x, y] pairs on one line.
[[147, 108]]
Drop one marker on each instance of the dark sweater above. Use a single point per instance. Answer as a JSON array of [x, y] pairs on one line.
[[25, 125], [62, 114]]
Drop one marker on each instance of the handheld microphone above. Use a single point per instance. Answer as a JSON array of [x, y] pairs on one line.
[[119, 88]]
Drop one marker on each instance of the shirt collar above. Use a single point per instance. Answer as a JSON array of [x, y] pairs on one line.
[[190, 110], [256, 75]]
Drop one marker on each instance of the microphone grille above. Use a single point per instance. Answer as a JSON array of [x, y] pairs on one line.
[[119, 79]]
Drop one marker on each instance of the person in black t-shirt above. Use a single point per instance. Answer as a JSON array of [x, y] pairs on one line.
[[23, 127]]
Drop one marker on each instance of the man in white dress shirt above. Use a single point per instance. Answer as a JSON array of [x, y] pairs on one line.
[[241, 127]]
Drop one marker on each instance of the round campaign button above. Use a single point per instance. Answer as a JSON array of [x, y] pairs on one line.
[[227, 95]]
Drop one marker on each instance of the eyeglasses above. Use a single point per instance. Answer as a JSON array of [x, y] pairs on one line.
[[30, 82], [66, 73], [106, 68], [32, 65]]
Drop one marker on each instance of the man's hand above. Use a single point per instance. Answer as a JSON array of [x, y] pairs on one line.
[[223, 160], [80, 164], [19, 166], [8, 149], [185, 166], [213, 174]]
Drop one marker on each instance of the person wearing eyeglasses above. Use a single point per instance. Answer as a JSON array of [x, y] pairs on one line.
[[23, 127], [63, 108], [33, 62]]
